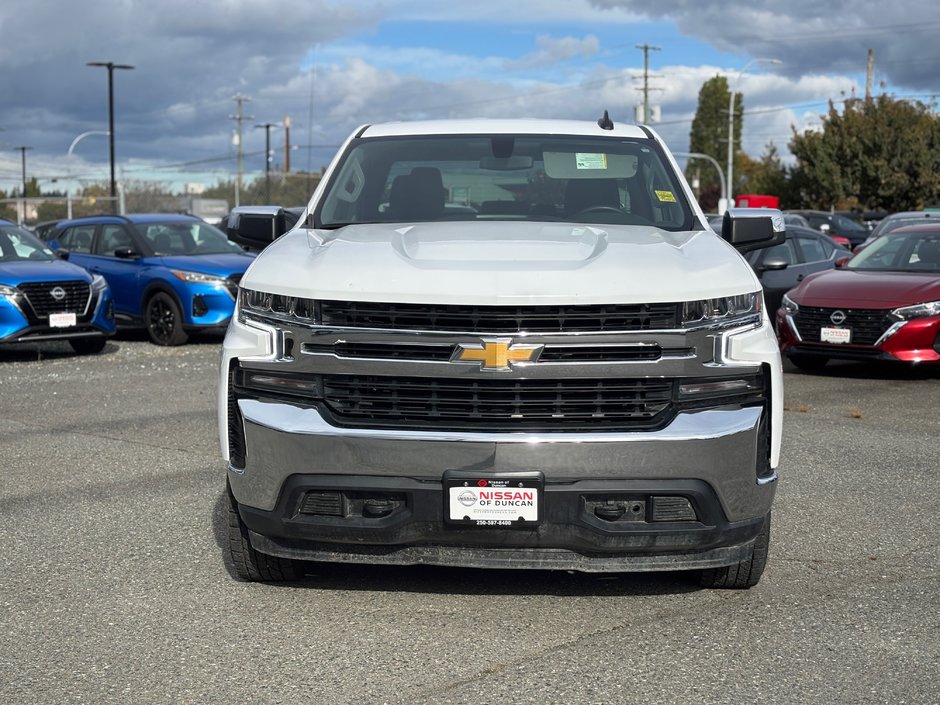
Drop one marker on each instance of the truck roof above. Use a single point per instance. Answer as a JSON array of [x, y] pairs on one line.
[[486, 126]]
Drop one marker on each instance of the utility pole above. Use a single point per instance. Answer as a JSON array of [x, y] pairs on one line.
[[23, 154], [267, 158], [646, 79], [239, 118], [110, 66], [287, 144], [869, 73]]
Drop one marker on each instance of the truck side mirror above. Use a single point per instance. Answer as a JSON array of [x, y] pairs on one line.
[[753, 228], [256, 227]]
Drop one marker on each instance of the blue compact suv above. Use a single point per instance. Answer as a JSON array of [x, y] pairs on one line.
[[171, 274], [45, 298]]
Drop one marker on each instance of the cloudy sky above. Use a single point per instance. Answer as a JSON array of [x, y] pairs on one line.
[[332, 66]]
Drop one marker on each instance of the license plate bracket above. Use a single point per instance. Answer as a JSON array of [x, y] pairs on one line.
[[839, 336], [62, 320], [493, 500]]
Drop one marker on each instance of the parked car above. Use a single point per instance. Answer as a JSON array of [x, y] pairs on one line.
[[46, 229], [170, 274], [783, 266], [45, 298], [835, 225], [899, 220], [883, 305]]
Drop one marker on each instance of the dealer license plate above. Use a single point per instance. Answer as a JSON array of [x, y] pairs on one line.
[[835, 335], [503, 500], [61, 320]]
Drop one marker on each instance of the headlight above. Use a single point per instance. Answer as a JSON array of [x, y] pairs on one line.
[[262, 304], [98, 283], [906, 313], [10, 291], [722, 311], [790, 305], [198, 277]]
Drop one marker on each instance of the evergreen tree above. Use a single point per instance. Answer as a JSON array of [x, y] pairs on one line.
[[709, 136]]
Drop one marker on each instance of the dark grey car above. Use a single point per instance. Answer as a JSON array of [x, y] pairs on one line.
[[783, 266]]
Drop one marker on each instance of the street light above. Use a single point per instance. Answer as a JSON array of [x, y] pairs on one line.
[[110, 65], [22, 214], [68, 164], [731, 88]]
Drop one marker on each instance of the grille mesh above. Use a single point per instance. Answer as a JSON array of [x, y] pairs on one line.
[[628, 404], [40, 298], [867, 324], [499, 319]]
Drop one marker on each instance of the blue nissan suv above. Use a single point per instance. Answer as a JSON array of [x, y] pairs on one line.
[[171, 274], [45, 298]]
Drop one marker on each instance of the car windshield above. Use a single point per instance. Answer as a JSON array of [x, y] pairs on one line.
[[505, 177], [901, 252], [17, 244], [186, 238], [844, 223]]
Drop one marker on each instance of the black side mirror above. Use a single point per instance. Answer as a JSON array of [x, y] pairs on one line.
[[256, 227], [126, 253], [62, 254], [773, 264], [753, 228]]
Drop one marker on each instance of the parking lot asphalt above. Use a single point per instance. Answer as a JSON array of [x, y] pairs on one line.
[[113, 587]]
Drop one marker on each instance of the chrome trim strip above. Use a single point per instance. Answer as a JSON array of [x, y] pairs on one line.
[[793, 328], [761, 481], [699, 425], [891, 331]]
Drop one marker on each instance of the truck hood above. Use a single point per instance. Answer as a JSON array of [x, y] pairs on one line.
[[501, 263]]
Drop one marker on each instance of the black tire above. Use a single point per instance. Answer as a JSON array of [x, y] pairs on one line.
[[88, 346], [164, 320], [745, 574], [249, 564], [808, 363]]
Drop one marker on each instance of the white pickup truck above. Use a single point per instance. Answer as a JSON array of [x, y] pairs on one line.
[[502, 344]]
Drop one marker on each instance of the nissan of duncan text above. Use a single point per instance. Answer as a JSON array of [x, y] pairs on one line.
[[502, 344]]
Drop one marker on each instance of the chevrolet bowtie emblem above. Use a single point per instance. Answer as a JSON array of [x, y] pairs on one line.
[[496, 353]]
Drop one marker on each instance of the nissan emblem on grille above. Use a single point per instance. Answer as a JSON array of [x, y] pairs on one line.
[[58, 293], [837, 317]]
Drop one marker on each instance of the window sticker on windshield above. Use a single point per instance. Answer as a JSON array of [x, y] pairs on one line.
[[589, 160], [666, 196]]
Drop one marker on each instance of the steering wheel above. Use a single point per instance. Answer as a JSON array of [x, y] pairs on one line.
[[599, 209]]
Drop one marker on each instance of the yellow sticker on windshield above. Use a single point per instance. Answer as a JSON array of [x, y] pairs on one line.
[[666, 196]]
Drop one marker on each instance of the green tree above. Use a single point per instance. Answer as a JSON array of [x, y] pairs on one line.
[[709, 136], [766, 175], [878, 153]]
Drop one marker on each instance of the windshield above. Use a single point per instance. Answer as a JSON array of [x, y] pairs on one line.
[[186, 238], [505, 177], [17, 244], [901, 252]]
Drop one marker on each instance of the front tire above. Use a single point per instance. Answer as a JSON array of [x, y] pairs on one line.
[[164, 320], [249, 564], [745, 574]]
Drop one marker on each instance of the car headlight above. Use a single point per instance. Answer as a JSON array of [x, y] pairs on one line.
[[261, 304], [10, 291], [906, 313], [198, 277], [790, 305], [727, 310]]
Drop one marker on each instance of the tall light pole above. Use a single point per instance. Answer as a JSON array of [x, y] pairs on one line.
[[731, 87], [68, 164], [22, 214], [110, 65], [267, 158]]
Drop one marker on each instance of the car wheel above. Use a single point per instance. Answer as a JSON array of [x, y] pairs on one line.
[[88, 346], [808, 363], [745, 574], [164, 320], [248, 563]]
